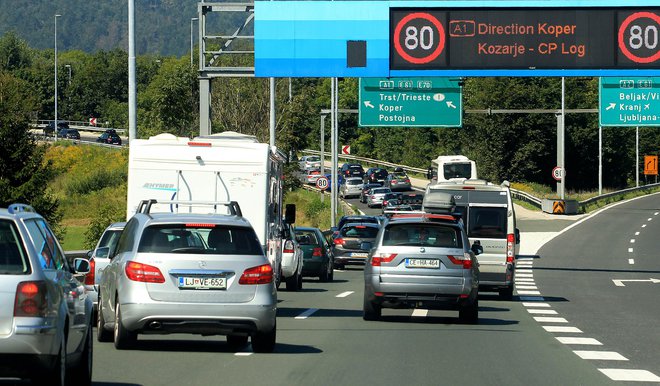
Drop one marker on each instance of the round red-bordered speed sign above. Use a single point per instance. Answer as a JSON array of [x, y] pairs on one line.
[[622, 30], [558, 173], [402, 52], [322, 183]]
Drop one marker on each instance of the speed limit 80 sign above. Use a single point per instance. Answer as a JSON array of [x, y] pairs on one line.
[[419, 39]]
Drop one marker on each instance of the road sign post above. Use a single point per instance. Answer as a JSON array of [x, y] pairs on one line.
[[411, 102], [630, 101]]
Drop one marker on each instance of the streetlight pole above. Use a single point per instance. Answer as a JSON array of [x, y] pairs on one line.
[[191, 39], [55, 123]]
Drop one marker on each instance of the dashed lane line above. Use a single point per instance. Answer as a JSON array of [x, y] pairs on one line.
[[244, 353], [535, 304], [550, 319], [344, 294], [307, 313], [420, 313], [574, 340], [535, 311], [631, 261], [528, 292], [630, 375], [600, 355], [562, 329]]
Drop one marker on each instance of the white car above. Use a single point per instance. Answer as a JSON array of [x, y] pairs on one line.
[[99, 258], [310, 162], [352, 187], [292, 260]]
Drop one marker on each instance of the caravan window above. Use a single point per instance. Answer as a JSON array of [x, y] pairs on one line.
[[457, 170], [487, 222]]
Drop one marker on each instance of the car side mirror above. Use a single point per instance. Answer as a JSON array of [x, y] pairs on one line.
[[366, 246], [290, 214], [517, 232], [476, 248], [81, 265]]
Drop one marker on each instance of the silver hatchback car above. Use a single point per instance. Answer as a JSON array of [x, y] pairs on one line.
[[422, 261], [45, 313], [189, 273], [376, 195]]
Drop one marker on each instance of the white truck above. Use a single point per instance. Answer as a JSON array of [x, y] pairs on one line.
[[222, 167], [452, 168]]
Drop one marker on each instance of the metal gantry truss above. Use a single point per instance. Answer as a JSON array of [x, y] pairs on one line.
[[220, 55]]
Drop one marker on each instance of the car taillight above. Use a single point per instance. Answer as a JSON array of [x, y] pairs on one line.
[[30, 299], [339, 241], [317, 252], [372, 197], [394, 181], [510, 244], [262, 274], [144, 273], [465, 260], [89, 278], [380, 258], [288, 246], [385, 203], [407, 181]]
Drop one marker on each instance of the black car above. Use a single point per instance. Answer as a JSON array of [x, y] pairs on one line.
[[374, 175], [110, 137], [50, 128], [354, 219], [366, 188], [352, 170], [68, 133]]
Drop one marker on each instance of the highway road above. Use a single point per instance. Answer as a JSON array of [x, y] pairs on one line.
[[566, 302]]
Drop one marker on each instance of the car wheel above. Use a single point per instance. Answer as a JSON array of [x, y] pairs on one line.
[[292, 282], [469, 313], [264, 342], [506, 293], [325, 275], [123, 338], [371, 311], [331, 274], [102, 335], [300, 281], [57, 375], [236, 342], [81, 373]]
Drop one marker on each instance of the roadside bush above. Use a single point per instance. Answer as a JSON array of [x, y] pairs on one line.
[[95, 181], [107, 214]]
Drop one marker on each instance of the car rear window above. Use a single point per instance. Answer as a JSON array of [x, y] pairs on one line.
[[203, 239], [487, 222], [353, 182], [306, 237], [313, 159], [13, 260], [359, 231], [432, 235], [456, 170], [380, 191]]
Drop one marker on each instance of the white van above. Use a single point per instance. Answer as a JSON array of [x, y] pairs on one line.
[[452, 168], [489, 217]]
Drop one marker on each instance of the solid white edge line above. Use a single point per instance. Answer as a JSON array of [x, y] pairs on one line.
[[344, 294], [630, 375], [307, 313], [600, 355], [575, 340]]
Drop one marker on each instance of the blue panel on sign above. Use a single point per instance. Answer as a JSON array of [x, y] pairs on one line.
[[311, 67]]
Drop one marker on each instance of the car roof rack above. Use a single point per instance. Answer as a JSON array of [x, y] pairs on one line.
[[17, 208], [234, 209]]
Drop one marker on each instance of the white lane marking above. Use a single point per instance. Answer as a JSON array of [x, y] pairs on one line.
[[636, 233], [656, 213], [307, 313], [244, 354], [650, 219], [525, 259], [344, 294], [550, 319], [561, 329], [536, 304], [630, 250], [524, 271], [600, 355], [585, 341], [525, 281], [631, 261], [644, 226], [532, 298], [522, 264], [528, 292], [421, 313], [630, 375], [632, 241], [526, 287], [541, 312], [524, 275]]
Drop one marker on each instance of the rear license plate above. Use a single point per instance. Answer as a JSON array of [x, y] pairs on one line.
[[202, 282], [359, 254], [422, 263]]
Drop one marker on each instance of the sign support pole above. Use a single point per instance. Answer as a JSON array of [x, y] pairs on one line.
[[600, 160], [637, 156], [333, 146], [272, 111], [322, 150]]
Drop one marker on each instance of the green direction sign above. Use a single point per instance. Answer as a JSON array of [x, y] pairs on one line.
[[630, 101], [411, 102]]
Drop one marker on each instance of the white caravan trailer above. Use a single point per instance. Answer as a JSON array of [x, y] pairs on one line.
[[452, 168], [220, 167]]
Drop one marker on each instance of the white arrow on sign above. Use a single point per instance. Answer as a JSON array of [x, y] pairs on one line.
[[611, 106], [368, 104], [619, 283], [450, 104]]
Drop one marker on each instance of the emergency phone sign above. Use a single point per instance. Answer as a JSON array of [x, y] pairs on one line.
[[524, 38]]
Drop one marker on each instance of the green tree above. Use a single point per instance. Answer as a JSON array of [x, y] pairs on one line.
[[24, 176], [14, 53]]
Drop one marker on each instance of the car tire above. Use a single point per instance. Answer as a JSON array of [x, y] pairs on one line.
[[371, 311], [102, 335], [469, 313], [81, 373], [331, 274], [237, 342], [506, 293], [55, 376], [300, 281], [264, 342], [292, 282], [325, 275], [124, 339], [339, 266]]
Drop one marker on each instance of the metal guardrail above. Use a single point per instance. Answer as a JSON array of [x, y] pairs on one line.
[[526, 197], [371, 161], [618, 192], [79, 125]]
